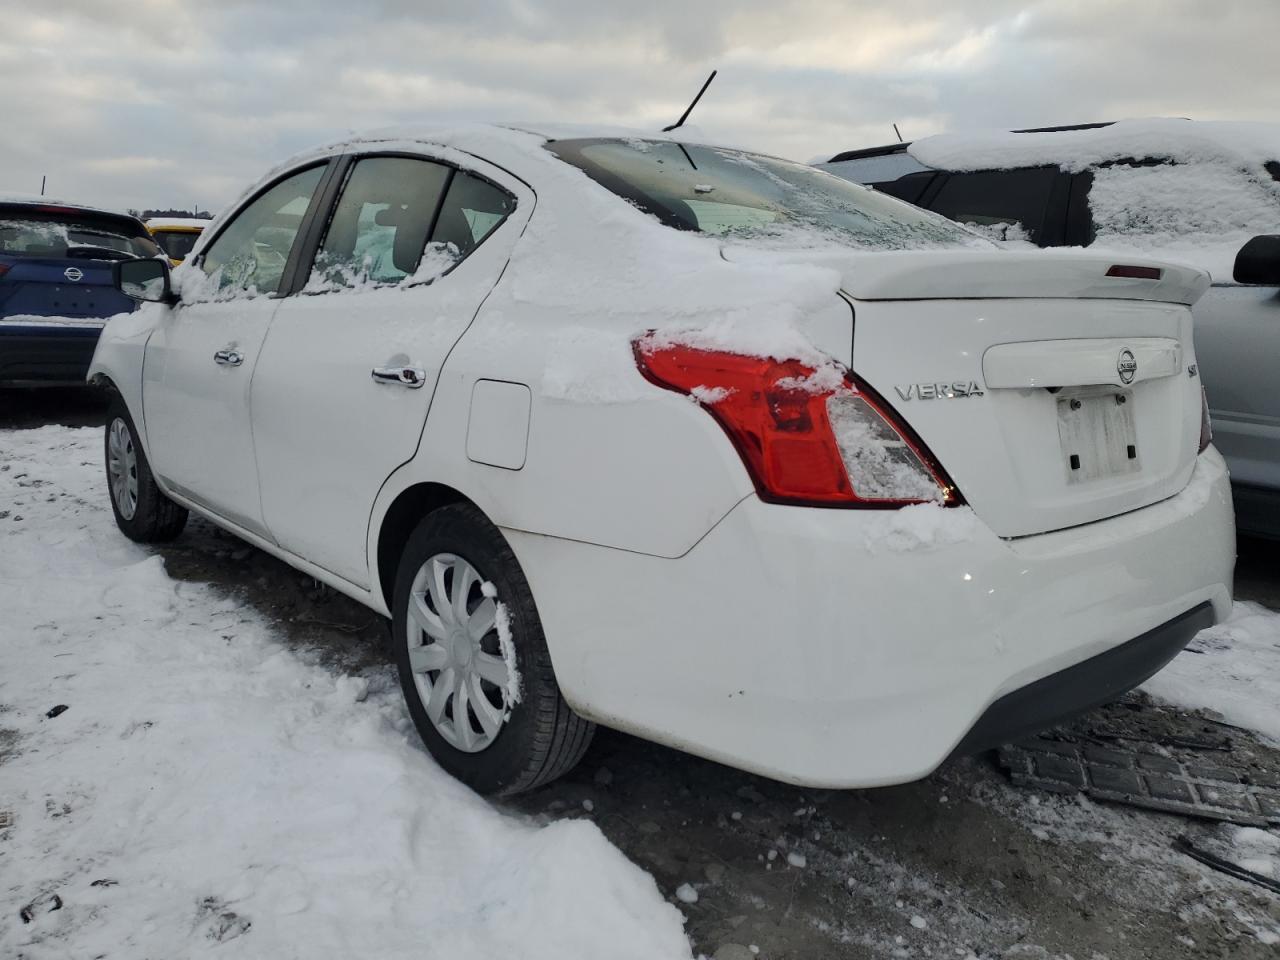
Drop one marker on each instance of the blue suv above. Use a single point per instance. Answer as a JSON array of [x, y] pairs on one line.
[[55, 286]]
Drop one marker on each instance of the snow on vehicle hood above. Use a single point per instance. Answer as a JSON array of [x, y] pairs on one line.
[[977, 273]]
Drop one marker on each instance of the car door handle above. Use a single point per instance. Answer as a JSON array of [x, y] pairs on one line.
[[411, 377], [229, 358]]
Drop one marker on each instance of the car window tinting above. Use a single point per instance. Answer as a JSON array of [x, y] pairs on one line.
[[25, 234], [379, 227], [747, 196], [994, 197], [472, 210], [249, 256]]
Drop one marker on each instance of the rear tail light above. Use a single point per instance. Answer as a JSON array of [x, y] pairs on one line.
[[4, 268], [815, 436], [1206, 427]]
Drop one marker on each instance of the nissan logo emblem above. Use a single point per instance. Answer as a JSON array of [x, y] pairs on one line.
[[1127, 366], [72, 273]]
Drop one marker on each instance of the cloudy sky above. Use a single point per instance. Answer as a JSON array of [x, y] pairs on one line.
[[156, 103]]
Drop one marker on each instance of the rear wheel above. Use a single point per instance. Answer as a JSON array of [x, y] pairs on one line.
[[143, 513], [473, 661]]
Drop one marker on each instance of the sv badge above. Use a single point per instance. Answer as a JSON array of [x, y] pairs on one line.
[[939, 391]]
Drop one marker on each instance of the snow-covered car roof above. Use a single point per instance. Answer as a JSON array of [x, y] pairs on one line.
[[36, 200], [1081, 148], [177, 223]]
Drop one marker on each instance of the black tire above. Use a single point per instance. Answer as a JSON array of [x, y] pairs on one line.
[[541, 738], [156, 518]]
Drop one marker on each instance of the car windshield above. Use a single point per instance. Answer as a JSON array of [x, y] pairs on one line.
[[747, 196], [42, 235], [176, 243]]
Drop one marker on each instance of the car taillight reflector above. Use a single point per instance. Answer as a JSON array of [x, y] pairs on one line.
[[4, 268], [1206, 425], [1134, 272], [807, 436]]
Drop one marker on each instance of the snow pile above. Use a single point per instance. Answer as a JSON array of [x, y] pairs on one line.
[[1257, 850], [1214, 193], [1233, 668], [921, 526], [233, 797]]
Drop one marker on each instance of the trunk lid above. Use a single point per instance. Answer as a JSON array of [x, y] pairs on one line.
[[1052, 394]]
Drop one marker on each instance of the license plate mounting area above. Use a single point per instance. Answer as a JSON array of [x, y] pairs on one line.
[[1098, 436]]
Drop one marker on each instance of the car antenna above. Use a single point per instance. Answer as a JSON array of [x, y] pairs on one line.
[[898, 135], [685, 116]]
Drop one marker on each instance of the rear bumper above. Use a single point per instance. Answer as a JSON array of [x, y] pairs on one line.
[[859, 648], [1091, 683], [47, 353]]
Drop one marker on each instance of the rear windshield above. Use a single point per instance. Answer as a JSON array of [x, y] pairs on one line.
[[176, 243], [747, 196], [67, 236]]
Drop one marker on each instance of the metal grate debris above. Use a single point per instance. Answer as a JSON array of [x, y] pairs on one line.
[[1202, 788]]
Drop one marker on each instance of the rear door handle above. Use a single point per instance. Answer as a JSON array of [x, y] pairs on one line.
[[229, 358], [411, 377]]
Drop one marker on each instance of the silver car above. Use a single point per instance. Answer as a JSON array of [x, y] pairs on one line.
[[1204, 193]]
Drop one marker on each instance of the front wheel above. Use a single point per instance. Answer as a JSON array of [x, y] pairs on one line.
[[473, 661], [143, 513]]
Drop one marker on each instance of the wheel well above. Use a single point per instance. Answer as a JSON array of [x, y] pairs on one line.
[[103, 382], [401, 518]]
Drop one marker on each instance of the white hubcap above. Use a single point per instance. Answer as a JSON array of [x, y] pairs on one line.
[[122, 468], [455, 654]]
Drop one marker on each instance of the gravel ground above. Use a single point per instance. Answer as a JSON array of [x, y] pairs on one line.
[[960, 864]]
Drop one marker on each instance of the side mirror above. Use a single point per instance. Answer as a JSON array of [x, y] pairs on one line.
[[1259, 261], [143, 280]]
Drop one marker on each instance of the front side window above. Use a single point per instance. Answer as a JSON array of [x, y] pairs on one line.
[[749, 197], [248, 258], [1007, 203]]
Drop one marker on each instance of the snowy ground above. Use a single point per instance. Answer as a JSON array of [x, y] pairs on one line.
[[231, 795], [234, 760]]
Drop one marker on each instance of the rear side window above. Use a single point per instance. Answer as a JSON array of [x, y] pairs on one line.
[[71, 236], [249, 256], [404, 220], [995, 198], [380, 225], [472, 210]]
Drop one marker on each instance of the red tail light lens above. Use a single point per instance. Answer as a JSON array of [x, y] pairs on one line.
[[1206, 427], [4, 268], [807, 436]]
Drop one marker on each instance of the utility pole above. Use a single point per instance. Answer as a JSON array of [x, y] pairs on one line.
[[42, 180]]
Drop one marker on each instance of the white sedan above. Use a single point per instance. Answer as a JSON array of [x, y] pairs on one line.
[[700, 444]]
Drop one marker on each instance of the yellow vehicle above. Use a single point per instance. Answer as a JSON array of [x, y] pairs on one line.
[[176, 235]]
